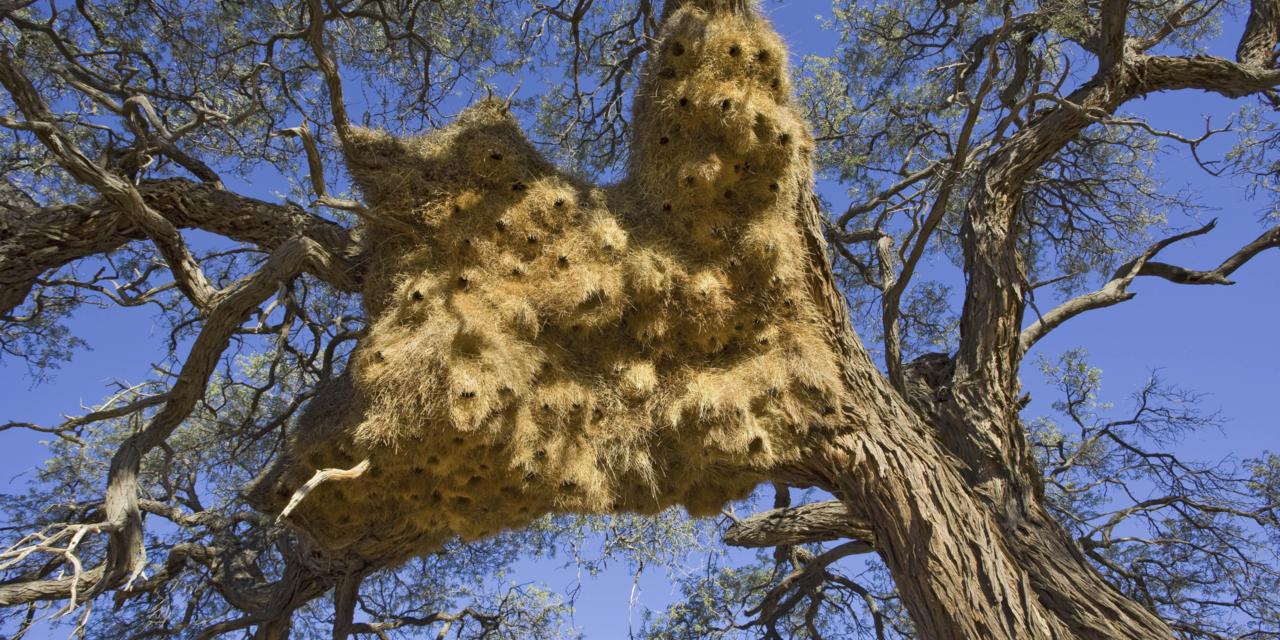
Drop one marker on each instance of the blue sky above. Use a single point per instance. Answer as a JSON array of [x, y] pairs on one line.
[[1221, 341]]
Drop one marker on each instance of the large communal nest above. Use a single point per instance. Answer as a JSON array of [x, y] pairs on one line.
[[542, 345]]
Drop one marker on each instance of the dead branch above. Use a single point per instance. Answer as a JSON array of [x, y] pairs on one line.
[[321, 476]]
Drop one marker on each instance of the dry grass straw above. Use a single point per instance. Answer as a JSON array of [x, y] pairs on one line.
[[543, 345]]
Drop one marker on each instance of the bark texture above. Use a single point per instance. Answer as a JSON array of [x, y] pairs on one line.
[[36, 241], [930, 464], [965, 565]]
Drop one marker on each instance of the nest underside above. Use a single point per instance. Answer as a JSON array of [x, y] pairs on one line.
[[542, 345]]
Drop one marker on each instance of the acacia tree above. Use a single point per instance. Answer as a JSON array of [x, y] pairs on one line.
[[969, 127]]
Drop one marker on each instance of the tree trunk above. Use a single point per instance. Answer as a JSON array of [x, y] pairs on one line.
[[1069, 586], [968, 561]]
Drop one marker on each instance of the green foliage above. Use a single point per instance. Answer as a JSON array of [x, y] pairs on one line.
[[909, 110], [1194, 541]]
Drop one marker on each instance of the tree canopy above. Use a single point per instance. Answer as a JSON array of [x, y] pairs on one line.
[[988, 178]]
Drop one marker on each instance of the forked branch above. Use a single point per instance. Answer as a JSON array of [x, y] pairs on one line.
[[42, 122], [122, 515], [41, 240], [1116, 290]]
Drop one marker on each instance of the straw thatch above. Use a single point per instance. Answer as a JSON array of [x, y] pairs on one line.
[[544, 345]]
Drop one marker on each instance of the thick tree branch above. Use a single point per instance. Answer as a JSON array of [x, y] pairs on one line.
[[24, 591], [122, 515], [1262, 31], [36, 242], [1111, 48], [1207, 73], [186, 269], [805, 524]]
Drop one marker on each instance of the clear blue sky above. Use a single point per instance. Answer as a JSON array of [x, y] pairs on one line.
[[1222, 341]]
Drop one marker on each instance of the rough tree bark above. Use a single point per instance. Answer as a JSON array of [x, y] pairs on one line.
[[967, 566], [943, 480], [931, 470]]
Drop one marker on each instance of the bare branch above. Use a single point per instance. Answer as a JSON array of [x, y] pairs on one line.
[[804, 582], [315, 166], [1115, 290], [888, 193], [36, 242], [329, 69], [1269, 239], [186, 269], [321, 476]]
